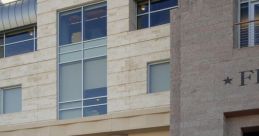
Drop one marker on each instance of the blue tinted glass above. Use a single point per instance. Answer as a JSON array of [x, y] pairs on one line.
[[95, 92], [159, 18], [36, 45], [244, 12], [95, 101], [142, 21], [162, 4], [19, 48], [20, 36], [95, 23], [244, 27], [142, 6], [256, 27], [95, 110], [70, 27], [1, 47]]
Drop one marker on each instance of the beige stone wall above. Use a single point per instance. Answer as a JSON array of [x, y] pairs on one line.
[[129, 51], [204, 39]]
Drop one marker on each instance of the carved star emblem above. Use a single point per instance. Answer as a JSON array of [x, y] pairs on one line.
[[228, 80]]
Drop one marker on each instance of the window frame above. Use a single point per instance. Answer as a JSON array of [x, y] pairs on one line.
[[165, 61], [17, 30], [82, 48], [149, 12], [2, 90], [250, 22]]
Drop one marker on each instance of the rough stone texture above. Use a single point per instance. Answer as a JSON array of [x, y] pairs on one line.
[[204, 55], [129, 51]]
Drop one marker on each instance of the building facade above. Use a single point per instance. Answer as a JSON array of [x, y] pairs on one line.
[[85, 67], [215, 68]]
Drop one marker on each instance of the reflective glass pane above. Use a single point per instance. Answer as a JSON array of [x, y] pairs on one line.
[[1, 51], [95, 110], [95, 22], [70, 114], [142, 6], [142, 21], [256, 26], [70, 81], [1, 40], [159, 18], [159, 77], [70, 27], [162, 4], [19, 48], [12, 100], [70, 105], [97, 92], [19, 36], [95, 73], [1, 101], [244, 26], [95, 101]]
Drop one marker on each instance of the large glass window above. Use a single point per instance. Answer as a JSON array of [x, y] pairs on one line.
[[18, 42], [82, 62], [94, 25], [248, 23], [10, 100], [154, 12], [159, 77]]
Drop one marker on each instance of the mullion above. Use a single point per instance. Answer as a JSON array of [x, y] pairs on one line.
[[82, 59], [2, 101]]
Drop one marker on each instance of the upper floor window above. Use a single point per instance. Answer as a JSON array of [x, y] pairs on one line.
[[82, 62], [248, 23], [83, 24], [154, 12], [10, 100], [159, 76], [18, 42]]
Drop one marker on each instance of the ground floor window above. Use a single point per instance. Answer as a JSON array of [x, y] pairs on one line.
[[10, 99]]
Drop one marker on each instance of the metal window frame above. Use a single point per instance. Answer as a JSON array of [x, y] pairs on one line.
[[151, 12], [34, 28], [82, 49], [251, 4], [149, 64], [2, 90]]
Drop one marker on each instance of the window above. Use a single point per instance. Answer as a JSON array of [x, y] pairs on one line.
[[10, 100], [154, 12], [18, 42], [89, 20], [248, 23], [82, 62], [159, 77], [251, 131]]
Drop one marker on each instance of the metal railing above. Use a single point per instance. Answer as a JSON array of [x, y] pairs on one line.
[[248, 33]]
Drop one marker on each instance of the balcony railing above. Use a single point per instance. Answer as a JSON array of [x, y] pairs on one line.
[[248, 33]]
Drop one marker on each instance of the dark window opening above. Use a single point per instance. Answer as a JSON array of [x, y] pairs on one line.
[[154, 12], [251, 131]]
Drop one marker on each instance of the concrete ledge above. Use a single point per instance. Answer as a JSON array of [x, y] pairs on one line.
[[121, 121]]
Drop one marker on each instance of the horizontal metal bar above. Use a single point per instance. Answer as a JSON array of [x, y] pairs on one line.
[[66, 109], [246, 22], [103, 104], [70, 101], [21, 41], [95, 97], [150, 12]]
